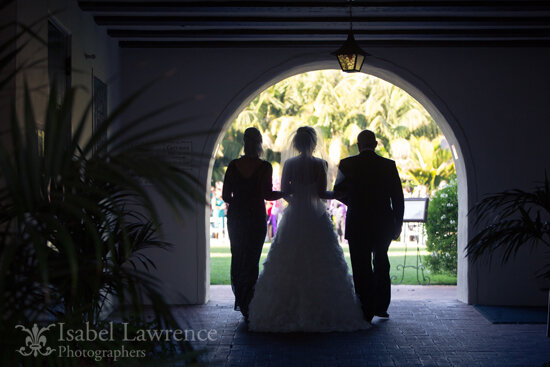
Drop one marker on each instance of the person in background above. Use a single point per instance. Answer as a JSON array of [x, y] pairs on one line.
[[340, 221], [221, 209], [274, 217], [268, 208], [213, 224]]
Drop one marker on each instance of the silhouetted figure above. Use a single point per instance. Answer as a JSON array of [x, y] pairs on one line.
[[246, 185], [305, 284], [370, 186]]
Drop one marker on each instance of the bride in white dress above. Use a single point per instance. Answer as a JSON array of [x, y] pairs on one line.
[[305, 284]]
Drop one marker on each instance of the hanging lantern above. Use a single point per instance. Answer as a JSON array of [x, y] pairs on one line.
[[350, 56]]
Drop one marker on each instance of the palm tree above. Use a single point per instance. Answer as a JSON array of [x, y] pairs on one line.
[[339, 105], [429, 163]]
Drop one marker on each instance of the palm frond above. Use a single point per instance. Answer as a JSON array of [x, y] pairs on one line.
[[511, 220]]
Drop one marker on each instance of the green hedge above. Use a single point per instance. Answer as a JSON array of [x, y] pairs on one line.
[[442, 229]]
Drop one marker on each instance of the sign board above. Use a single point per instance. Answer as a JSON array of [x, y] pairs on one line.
[[416, 210], [178, 153]]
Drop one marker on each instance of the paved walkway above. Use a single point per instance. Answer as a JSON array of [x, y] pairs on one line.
[[427, 327]]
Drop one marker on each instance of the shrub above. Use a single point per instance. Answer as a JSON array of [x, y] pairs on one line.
[[442, 229]]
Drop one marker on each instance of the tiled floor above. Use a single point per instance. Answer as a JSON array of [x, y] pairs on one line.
[[427, 327]]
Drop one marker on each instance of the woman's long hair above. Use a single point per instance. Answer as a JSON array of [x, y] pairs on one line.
[[252, 140]]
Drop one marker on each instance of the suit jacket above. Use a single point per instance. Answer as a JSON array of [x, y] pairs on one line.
[[371, 189]]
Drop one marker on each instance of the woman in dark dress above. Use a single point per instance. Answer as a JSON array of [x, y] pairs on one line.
[[247, 183]]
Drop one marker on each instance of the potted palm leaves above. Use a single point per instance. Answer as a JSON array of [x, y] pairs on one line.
[[513, 220], [74, 221]]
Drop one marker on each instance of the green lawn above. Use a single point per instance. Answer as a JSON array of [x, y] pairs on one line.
[[220, 260]]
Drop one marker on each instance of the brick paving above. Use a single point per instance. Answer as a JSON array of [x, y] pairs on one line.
[[427, 327]]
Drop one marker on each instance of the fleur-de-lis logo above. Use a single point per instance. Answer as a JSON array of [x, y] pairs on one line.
[[35, 341]]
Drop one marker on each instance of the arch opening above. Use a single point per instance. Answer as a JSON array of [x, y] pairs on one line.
[[390, 74]]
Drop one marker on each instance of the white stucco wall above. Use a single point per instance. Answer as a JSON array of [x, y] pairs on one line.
[[491, 102]]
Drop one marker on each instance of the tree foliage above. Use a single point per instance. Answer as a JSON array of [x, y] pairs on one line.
[[340, 105], [442, 230]]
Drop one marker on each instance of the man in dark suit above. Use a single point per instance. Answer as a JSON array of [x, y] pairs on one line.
[[371, 188]]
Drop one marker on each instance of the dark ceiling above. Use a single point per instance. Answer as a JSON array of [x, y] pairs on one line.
[[286, 23]]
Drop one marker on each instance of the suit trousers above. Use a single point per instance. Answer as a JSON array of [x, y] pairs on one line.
[[371, 274]]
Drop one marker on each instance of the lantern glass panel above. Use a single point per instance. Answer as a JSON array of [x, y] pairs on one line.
[[347, 61]]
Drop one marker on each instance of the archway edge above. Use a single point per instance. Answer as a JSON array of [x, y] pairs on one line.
[[394, 74]]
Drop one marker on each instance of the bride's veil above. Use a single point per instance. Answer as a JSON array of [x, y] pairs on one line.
[[320, 151]]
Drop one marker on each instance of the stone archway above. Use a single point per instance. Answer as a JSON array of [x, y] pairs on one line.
[[391, 73]]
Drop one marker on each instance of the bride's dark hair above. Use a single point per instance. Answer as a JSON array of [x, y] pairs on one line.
[[305, 140], [252, 140]]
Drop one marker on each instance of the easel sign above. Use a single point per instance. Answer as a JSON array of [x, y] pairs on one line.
[[416, 210]]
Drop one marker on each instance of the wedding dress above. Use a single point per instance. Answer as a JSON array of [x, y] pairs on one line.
[[305, 284]]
